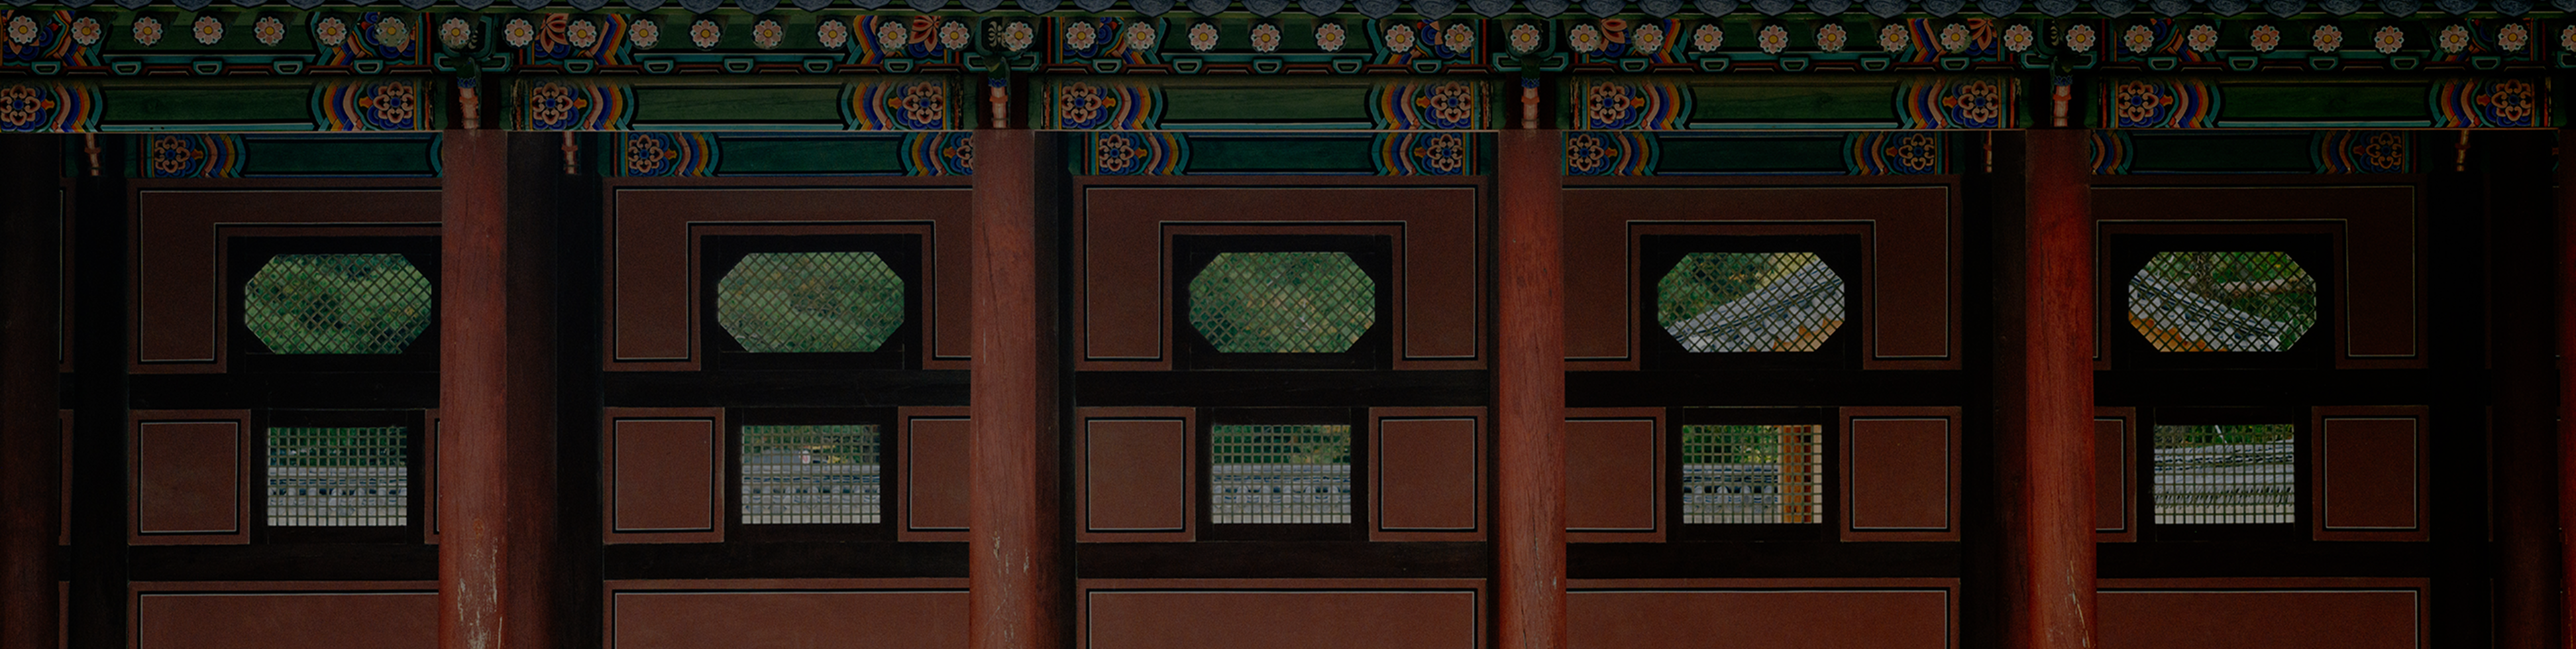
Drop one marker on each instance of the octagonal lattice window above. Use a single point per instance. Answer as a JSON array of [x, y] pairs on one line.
[[1282, 302], [337, 304], [2222, 301], [810, 302], [1750, 302]]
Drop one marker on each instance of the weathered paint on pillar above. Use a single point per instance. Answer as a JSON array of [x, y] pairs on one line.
[[496, 466], [1529, 394], [30, 430], [1016, 572], [2052, 593]]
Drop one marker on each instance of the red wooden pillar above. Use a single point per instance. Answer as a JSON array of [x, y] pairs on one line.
[[2049, 532], [497, 584], [1016, 573], [2525, 293], [30, 431], [1529, 393], [2565, 297]]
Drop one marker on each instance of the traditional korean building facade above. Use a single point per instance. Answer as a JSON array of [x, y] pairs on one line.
[[1522, 324]]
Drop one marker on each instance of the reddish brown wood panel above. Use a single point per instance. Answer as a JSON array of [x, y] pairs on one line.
[[1427, 474], [664, 470], [1138, 471], [1240, 616], [192, 475], [1614, 475], [936, 445], [1817, 614], [2373, 477], [309, 615], [2115, 474], [2379, 262], [2263, 614], [783, 614], [1122, 300], [1900, 474], [655, 228], [179, 314], [1910, 306]]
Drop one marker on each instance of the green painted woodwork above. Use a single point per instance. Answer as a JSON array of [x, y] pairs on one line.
[[2221, 152], [757, 155], [2385, 104], [1858, 104], [226, 107], [1820, 153], [1320, 105], [281, 155], [1271, 154], [772, 106]]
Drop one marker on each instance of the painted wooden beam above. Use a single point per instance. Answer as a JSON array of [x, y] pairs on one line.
[[2049, 535], [30, 426], [496, 466], [1529, 393], [1016, 567]]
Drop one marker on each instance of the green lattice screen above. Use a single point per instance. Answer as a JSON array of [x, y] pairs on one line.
[[1282, 302], [337, 304], [2222, 301], [1280, 474], [810, 302], [1750, 302], [338, 477], [2225, 474]]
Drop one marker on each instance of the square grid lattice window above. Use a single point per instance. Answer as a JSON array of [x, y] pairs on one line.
[[1753, 474], [829, 474], [1280, 474], [339, 477], [2226, 474]]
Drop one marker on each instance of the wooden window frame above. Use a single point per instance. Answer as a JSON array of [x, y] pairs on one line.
[[889, 453]]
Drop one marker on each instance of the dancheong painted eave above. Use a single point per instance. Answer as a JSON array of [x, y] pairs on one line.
[[1436, 9]]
